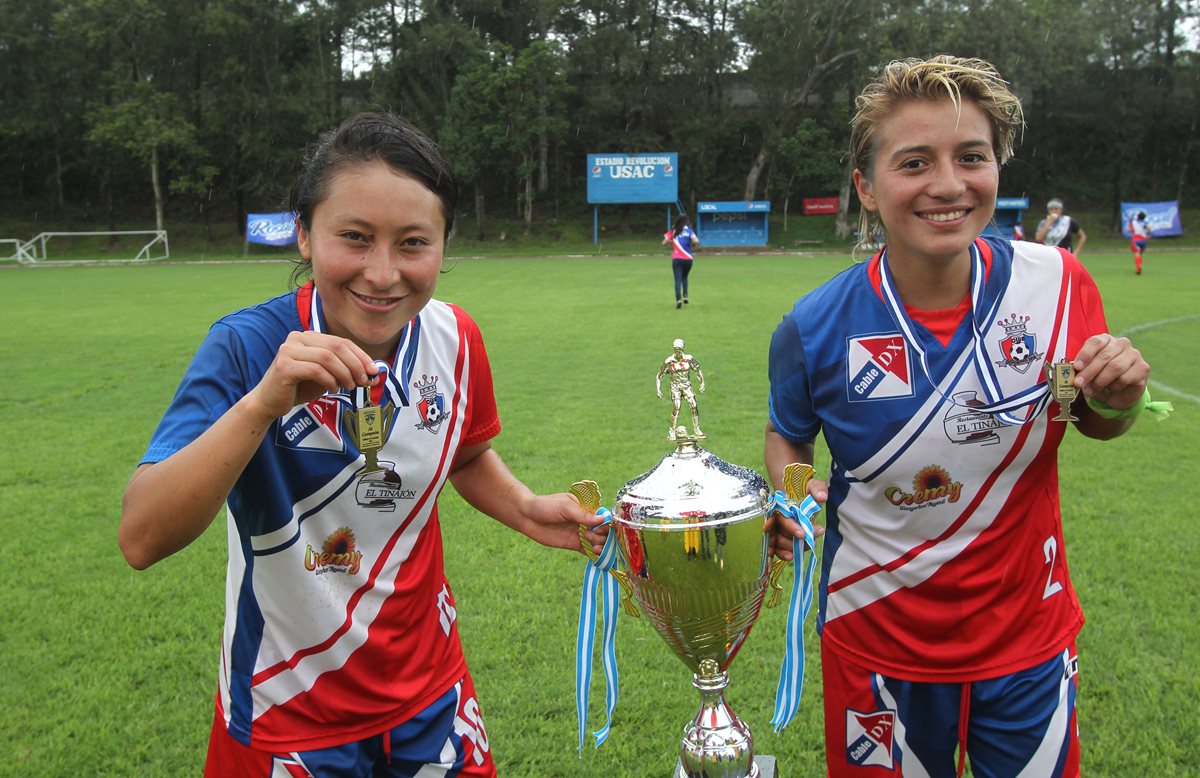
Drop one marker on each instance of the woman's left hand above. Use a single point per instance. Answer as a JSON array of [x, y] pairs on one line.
[[1111, 370]]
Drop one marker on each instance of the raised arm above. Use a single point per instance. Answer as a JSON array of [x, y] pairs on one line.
[[169, 504]]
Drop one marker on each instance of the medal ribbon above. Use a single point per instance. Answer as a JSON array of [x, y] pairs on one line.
[[791, 673], [597, 572], [1035, 397], [373, 395]]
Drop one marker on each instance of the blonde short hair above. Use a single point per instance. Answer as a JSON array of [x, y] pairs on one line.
[[910, 79]]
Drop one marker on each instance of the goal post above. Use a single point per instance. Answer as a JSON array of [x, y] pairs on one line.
[[20, 251], [155, 246]]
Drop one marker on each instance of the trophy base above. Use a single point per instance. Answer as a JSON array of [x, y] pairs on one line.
[[765, 765]]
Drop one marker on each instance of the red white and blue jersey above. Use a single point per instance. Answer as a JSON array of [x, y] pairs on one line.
[[339, 621], [681, 244], [943, 557]]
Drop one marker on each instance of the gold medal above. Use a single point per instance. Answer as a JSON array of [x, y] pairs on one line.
[[1061, 378], [368, 426], [369, 432]]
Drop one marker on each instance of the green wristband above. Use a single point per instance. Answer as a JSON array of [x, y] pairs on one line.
[[1160, 410]]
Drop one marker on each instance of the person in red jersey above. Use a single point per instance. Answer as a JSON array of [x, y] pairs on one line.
[[328, 420], [946, 612]]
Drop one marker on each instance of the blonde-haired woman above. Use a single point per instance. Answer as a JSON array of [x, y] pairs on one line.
[[947, 617]]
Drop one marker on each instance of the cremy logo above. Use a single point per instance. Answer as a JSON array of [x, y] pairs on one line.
[[869, 738], [932, 486], [338, 554], [878, 368]]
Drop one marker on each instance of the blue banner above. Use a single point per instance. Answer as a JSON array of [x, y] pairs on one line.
[[633, 178], [271, 229], [1163, 217]]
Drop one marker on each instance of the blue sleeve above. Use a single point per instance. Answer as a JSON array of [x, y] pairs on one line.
[[791, 406], [213, 383]]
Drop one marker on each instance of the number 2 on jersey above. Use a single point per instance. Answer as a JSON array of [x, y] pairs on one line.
[[1050, 548]]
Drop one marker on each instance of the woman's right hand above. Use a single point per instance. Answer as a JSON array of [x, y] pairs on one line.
[[307, 365]]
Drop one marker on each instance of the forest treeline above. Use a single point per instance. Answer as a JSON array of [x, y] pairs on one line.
[[199, 109]]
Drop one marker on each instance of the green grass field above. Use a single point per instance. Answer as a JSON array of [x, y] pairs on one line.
[[107, 671]]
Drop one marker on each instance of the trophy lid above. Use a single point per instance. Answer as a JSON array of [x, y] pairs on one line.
[[691, 488]]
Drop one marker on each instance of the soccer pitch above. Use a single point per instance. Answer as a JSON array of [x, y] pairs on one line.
[[107, 671]]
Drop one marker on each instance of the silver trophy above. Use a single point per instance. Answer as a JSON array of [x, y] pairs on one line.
[[693, 536]]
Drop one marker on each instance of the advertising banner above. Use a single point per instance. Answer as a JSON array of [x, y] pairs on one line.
[[816, 205], [1163, 217], [271, 229], [633, 178]]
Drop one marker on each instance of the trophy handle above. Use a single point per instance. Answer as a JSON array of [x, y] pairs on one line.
[[795, 481], [795, 486], [588, 494], [777, 566]]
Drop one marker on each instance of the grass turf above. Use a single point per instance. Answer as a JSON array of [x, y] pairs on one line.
[[107, 671]]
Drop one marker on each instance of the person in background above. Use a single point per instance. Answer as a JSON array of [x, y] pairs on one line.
[[1139, 232], [1058, 229], [947, 616], [328, 420], [684, 241]]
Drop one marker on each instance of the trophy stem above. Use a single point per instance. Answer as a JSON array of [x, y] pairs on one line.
[[717, 744]]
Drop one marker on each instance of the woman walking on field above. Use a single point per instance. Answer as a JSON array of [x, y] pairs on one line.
[[684, 241]]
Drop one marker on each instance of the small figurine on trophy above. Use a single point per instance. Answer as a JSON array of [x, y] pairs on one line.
[[1061, 377], [680, 366]]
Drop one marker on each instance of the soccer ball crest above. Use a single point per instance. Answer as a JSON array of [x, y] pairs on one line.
[[432, 406], [1018, 346]]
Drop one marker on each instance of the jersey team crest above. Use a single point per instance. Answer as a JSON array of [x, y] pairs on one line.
[[432, 406], [878, 368], [1019, 346]]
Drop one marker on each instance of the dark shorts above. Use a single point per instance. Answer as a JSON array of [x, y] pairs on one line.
[[448, 737], [1018, 724]]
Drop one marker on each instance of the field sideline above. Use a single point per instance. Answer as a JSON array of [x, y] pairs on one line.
[[108, 671]]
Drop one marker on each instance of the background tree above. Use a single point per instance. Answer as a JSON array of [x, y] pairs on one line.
[[211, 101], [809, 155]]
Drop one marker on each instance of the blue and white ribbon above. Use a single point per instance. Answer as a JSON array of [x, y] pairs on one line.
[[791, 674], [1036, 397], [597, 572]]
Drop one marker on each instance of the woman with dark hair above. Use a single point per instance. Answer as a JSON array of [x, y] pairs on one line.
[[684, 241], [328, 420]]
